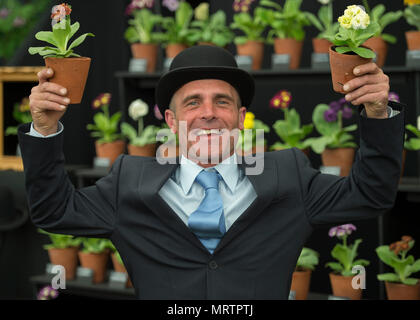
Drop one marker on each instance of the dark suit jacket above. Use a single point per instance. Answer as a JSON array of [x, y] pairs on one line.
[[256, 257]]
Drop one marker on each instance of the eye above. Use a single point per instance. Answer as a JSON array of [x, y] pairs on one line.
[[192, 103], [223, 101]]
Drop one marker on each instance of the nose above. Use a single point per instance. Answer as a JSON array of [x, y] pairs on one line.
[[208, 111]]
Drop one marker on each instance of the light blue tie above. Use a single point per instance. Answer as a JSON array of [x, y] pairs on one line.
[[208, 221]]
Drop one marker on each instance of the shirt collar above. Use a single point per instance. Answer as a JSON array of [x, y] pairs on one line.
[[189, 170]]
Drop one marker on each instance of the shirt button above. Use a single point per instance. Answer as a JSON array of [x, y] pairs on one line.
[[213, 264]]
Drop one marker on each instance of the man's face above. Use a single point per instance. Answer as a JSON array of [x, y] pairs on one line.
[[209, 109]]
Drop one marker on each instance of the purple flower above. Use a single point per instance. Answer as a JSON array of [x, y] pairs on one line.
[[4, 13], [335, 105], [158, 114], [18, 22], [242, 5], [342, 102], [392, 96], [47, 293], [347, 112], [138, 4], [348, 228], [172, 5], [339, 231], [330, 115]]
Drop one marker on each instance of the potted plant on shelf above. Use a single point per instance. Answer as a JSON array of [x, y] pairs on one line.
[[289, 130], [142, 142], [251, 140], [252, 42], [399, 285], [94, 256], [63, 251], [412, 16], [347, 52], [324, 23], [379, 42], [109, 143], [22, 114], [342, 275], [119, 264], [141, 33], [210, 29], [301, 279], [70, 69], [286, 28], [335, 144], [177, 28]]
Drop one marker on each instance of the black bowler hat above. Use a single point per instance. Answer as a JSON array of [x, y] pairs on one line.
[[10, 216], [203, 62]]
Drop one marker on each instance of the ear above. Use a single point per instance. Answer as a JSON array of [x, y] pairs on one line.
[[242, 112], [171, 120]]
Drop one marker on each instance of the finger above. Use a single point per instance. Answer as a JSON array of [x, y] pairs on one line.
[[369, 88], [53, 88], [369, 67], [44, 75], [47, 96], [377, 98], [42, 105], [365, 80]]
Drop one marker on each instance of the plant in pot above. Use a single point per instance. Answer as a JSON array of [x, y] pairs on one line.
[[142, 34], [379, 42], [335, 144], [63, 251], [70, 69], [342, 276], [22, 114], [94, 256], [347, 52], [119, 264], [251, 140], [142, 142], [177, 28], [289, 130], [412, 16], [324, 23], [301, 279], [399, 285], [286, 28], [210, 29], [109, 143], [251, 43]]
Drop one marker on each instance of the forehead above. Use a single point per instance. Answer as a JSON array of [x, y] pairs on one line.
[[205, 86]]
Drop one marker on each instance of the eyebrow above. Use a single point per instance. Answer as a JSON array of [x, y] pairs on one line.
[[199, 96]]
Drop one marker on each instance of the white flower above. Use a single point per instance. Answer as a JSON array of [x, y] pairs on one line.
[[324, 2], [137, 109], [354, 17]]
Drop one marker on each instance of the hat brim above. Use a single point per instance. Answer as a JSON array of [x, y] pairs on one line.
[[22, 217], [173, 80]]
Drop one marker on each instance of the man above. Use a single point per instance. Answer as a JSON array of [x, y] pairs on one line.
[[199, 230]]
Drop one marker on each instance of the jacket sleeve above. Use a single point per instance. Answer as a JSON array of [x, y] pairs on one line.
[[55, 205], [371, 187]]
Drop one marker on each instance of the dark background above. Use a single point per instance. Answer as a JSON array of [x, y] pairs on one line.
[[21, 254]]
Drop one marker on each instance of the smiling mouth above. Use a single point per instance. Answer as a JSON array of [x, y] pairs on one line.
[[208, 132]]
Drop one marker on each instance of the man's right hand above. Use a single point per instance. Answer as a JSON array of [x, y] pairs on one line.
[[48, 102]]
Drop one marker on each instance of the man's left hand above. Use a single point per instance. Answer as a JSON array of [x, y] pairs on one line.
[[370, 88]]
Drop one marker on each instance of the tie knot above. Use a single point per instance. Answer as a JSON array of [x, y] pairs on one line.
[[208, 179]]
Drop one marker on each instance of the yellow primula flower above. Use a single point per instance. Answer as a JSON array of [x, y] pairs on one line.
[[411, 2], [202, 11], [354, 17], [249, 120]]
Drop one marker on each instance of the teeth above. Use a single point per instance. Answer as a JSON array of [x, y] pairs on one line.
[[208, 131]]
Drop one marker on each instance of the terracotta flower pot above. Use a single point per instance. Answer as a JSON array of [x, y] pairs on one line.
[[399, 291], [255, 49], [380, 47], [321, 45], [340, 157], [341, 287], [301, 281], [97, 262], [110, 150], [66, 257], [169, 150], [413, 40], [118, 267], [146, 51], [172, 49], [149, 150], [342, 66], [291, 47], [71, 73]]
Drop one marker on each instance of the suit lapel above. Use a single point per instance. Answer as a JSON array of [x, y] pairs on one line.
[[265, 186], [155, 175]]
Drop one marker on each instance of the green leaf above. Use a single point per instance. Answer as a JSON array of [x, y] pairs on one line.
[[47, 36], [410, 281], [391, 277], [79, 40], [335, 266], [364, 52], [128, 131]]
